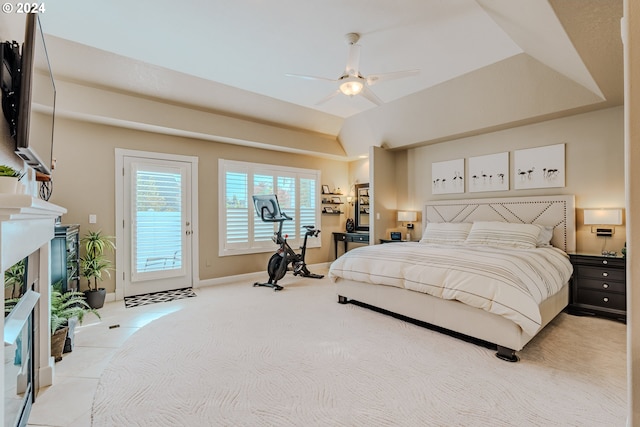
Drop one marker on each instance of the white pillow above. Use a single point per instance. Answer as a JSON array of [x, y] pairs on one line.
[[503, 234], [446, 233], [545, 236]]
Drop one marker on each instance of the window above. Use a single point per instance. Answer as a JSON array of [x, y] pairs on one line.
[[241, 229]]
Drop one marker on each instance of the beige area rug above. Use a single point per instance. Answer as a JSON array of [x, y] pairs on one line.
[[245, 356]]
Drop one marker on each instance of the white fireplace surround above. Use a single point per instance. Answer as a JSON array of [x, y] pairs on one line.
[[26, 229]]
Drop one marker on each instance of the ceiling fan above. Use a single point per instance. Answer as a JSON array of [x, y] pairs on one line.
[[351, 82]]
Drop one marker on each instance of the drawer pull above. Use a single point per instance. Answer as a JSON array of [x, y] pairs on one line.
[[605, 285], [605, 274], [605, 299], [604, 261]]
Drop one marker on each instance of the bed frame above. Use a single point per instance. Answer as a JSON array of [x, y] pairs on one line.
[[556, 211]]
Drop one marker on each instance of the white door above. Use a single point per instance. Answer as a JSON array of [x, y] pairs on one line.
[[157, 225]]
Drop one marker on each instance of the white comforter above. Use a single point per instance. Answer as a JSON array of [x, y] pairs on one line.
[[507, 282]]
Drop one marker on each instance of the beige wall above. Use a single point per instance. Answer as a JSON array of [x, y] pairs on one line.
[[594, 158], [632, 159], [385, 190], [84, 183]]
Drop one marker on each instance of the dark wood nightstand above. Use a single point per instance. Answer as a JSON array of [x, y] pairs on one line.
[[598, 286]]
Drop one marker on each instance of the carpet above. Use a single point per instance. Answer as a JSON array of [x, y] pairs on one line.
[[154, 297], [244, 356]]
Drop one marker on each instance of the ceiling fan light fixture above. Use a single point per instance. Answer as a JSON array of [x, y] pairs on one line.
[[351, 87]]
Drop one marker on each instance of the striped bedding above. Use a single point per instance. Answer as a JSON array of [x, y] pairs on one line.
[[507, 282]]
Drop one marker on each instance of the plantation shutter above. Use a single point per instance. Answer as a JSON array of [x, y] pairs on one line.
[[158, 211], [241, 228], [308, 206], [237, 207]]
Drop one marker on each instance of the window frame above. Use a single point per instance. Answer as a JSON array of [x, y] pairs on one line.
[[250, 169]]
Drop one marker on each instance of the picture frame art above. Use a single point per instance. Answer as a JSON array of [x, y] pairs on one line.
[[447, 177], [488, 173], [541, 167]]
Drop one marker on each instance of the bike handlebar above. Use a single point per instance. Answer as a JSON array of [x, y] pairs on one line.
[[272, 218]]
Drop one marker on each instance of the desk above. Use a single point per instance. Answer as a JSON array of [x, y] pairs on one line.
[[348, 237]]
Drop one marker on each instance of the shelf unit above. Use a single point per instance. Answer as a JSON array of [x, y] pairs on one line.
[[332, 201]]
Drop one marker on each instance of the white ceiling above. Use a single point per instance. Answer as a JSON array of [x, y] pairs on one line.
[[252, 44]]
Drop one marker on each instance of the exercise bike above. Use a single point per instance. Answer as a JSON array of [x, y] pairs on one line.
[[268, 208]]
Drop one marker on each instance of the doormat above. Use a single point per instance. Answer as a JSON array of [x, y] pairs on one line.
[[154, 297]]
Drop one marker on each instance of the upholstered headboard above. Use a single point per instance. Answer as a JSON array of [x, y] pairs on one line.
[[555, 211]]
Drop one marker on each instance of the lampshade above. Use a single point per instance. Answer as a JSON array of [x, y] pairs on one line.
[[407, 216], [351, 86], [603, 216]]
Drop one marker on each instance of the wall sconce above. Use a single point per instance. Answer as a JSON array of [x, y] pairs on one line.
[[407, 216], [350, 200], [603, 217]]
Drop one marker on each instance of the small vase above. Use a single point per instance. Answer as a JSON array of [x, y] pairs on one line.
[[8, 184]]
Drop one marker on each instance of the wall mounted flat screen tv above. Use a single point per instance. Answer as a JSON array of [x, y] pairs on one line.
[[36, 113]]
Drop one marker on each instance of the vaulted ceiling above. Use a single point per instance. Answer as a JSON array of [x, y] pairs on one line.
[[484, 64]]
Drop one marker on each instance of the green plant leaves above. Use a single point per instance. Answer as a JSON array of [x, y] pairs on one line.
[[94, 263], [67, 305]]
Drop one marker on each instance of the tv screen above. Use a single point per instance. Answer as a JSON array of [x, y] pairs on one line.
[[34, 139], [10, 83]]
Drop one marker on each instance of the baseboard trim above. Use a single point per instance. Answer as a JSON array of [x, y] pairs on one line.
[[248, 277]]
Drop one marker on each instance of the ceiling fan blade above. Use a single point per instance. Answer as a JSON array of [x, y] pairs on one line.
[[300, 76], [353, 61], [367, 93], [377, 78], [328, 97]]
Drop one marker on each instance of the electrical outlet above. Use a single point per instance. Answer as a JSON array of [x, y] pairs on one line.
[[93, 218]]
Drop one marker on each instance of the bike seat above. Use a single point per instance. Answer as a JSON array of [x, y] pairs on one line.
[[309, 227]]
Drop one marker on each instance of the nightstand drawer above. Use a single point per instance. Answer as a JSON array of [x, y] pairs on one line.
[[601, 299], [601, 273], [602, 285]]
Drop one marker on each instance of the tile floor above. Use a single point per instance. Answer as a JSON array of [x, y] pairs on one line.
[[67, 403]]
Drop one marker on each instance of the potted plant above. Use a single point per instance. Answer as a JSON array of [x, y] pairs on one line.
[[65, 309], [9, 178], [94, 264], [14, 278]]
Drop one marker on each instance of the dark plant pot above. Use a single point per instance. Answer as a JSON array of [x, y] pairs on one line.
[[95, 299], [57, 343]]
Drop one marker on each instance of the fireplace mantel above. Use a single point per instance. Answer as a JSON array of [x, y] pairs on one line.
[[26, 228], [24, 206]]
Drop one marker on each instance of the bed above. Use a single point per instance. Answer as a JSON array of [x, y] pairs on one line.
[[521, 286]]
